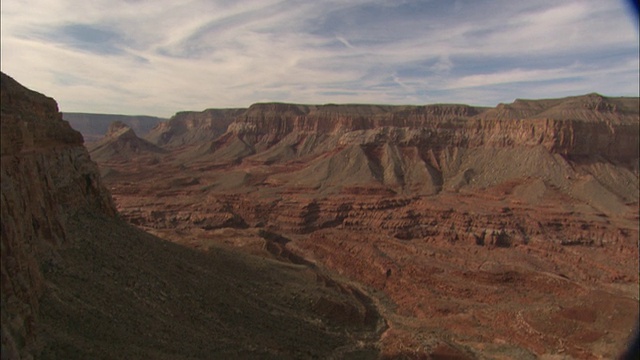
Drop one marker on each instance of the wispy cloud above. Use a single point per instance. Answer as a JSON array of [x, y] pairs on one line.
[[158, 57]]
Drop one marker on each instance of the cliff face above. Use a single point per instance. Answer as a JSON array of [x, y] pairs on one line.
[[281, 119], [31, 121], [575, 126], [442, 146], [47, 176]]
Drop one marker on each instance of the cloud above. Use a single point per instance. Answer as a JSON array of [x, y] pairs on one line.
[[159, 57], [83, 37]]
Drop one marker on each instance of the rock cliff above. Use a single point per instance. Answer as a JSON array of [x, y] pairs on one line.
[[575, 126], [427, 149], [47, 177]]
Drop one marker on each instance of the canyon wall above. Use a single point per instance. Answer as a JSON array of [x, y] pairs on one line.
[[576, 126]]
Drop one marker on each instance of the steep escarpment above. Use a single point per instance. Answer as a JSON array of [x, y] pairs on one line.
[[428, 149], [576, 126], [79, 283], [47, 177], [266, 124]]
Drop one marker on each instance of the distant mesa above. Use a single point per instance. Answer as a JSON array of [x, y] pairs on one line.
[[414, 149]]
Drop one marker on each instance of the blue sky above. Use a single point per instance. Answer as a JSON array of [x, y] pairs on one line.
[[158, 57]]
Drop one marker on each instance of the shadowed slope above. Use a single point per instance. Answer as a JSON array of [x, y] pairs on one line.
[[121, 293]]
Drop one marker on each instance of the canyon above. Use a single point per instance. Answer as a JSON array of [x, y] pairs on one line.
[[506, 232], [323, 231]]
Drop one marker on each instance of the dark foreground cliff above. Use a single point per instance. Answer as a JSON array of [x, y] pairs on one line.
[[79, 283], [47, 177]]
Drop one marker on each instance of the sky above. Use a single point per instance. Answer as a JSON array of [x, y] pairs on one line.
[[158, 57]]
